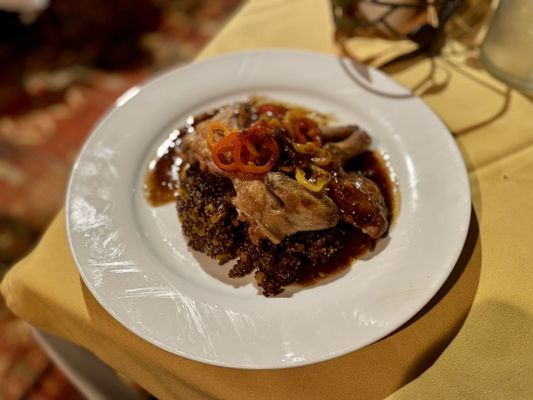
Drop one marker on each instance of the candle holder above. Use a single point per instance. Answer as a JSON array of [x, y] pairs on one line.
[[421, 21]]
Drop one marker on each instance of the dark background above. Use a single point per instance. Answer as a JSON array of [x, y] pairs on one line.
[[58, 74]]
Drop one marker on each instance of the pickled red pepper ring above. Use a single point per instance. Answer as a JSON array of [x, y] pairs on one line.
[[220, 149], [305, 129], [252, 149], [301, 128], [249, 150], [252, 164]]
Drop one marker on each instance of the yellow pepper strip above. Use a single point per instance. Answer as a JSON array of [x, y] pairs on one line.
[[308, 148], [321, 156], [290, 115], [272, 121], [318, 180], [322, 161], [215, 132]]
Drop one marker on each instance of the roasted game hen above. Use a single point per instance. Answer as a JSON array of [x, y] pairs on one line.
[[282, 196]]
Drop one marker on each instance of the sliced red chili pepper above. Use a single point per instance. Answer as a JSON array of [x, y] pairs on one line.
[[253, 150], [222, 148], [246, 161], [259, 128], [305, 129], [250, 146]]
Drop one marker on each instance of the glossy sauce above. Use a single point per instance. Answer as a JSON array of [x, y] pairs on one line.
[[162, 181], [372, 165], [375, 166], [162, 177]]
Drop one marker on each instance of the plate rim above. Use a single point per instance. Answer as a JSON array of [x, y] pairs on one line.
[[213, 60]]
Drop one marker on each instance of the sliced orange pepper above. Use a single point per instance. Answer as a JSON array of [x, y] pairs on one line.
[[251, 147], [254, 150], [249, 162], [222, 148], [305, 129]]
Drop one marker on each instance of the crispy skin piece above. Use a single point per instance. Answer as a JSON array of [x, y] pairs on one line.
[[361, 203], [356, 143], [336, 133], [277, 206]]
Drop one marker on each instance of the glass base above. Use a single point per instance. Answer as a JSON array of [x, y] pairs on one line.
[[524, 86]]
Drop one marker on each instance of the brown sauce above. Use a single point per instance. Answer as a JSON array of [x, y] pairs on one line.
[[357, 244], [372, 165], [161, 180], [162, 177]]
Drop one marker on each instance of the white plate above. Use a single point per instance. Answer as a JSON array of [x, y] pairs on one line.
[[135, 262]]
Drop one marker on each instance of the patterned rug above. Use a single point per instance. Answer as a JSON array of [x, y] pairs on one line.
[[58, 74]]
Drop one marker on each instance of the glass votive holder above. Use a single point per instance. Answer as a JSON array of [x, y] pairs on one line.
[[507, 50]]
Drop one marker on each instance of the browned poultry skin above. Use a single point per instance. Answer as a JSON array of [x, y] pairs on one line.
[[275, 205], [194, 147], [353, 145], [336, 133], [359, 199], [361, 203], [278, 206]]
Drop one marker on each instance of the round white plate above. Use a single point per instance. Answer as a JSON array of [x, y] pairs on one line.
[[134, 260]]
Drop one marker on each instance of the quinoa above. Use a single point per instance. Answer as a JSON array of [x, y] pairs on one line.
[[209, 222], [207, 216]]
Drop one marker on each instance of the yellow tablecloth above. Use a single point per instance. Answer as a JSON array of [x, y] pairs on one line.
[[475, 338]]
